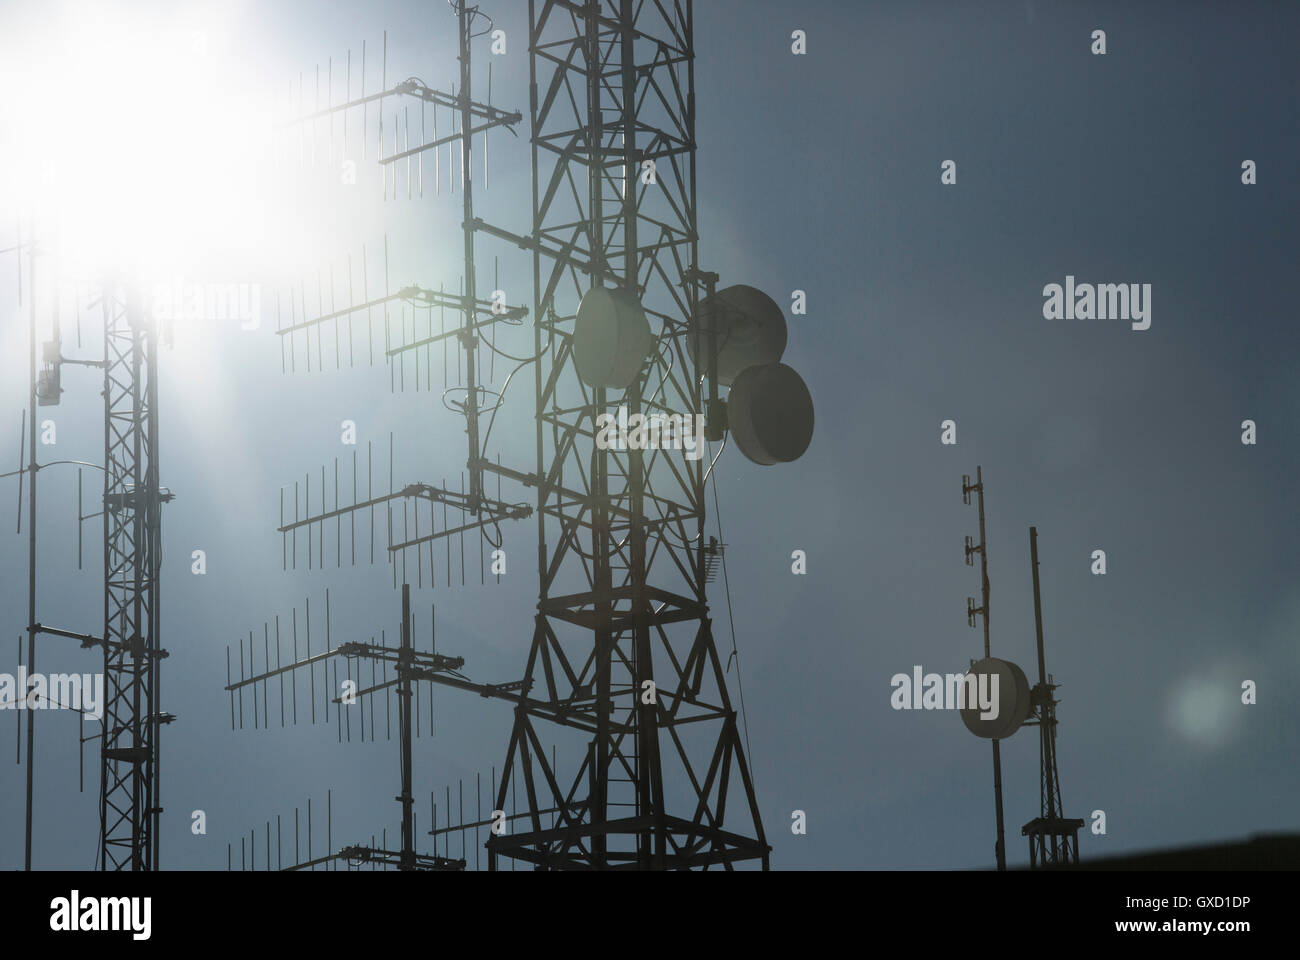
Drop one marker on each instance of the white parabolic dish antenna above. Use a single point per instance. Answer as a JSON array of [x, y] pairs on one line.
[[770, 413], [1012, 699], [611, 338], [750, 329]]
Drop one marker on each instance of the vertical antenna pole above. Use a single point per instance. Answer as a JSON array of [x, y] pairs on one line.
[[984, 558], [601, 541], [404, 661], [469, 337], [997, 795], [1038, 604], [22, 465], [1046, 716], [1050, 806], [31, 531], [1001, 847]]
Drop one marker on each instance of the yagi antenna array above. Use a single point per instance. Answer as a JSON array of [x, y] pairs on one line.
[[351, 318], [413, 518], [485, 818], [306, 685], [410, 668], [374, 855], [404, 140], [469, 398]]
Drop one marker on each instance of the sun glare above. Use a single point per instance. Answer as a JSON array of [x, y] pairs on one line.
[[140, 146]]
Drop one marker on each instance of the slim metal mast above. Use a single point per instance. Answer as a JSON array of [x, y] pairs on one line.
[[971, 611], [1053, 838], [31, 537], [405, 662], [469, 335]]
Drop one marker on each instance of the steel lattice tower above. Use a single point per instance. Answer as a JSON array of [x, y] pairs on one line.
[[129, 769], [622, 560]]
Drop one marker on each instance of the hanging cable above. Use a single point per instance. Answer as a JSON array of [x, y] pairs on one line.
[[731, 619]]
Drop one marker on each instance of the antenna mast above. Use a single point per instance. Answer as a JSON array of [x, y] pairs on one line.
[[967, 488], [133, 499], [1053, 839]]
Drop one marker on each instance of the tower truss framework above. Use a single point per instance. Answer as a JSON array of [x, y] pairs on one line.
[[133, 499], [622, 652]]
